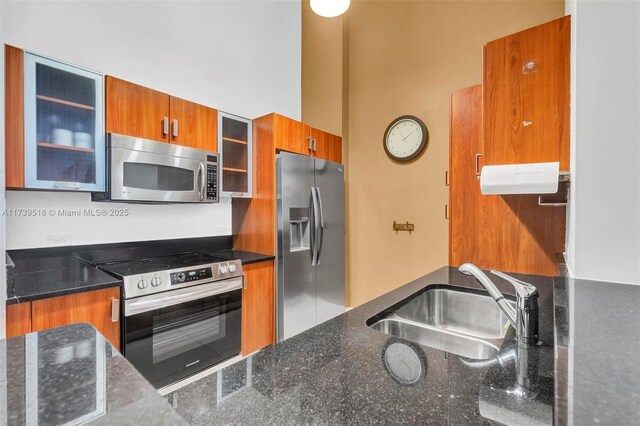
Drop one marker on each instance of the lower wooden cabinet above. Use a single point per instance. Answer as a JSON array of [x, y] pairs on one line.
[[18, 319], [258, 307], [97, 308]]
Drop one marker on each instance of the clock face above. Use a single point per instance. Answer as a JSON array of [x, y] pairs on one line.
[[405, 138]]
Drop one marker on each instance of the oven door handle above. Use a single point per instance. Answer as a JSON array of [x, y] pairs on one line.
[[150, 303]]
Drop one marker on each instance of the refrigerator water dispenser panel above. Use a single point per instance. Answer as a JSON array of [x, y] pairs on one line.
[[299, 228]]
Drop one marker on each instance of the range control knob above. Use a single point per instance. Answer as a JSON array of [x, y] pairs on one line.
[[232, 267], [222, 269], [156, 281], [142, 284]]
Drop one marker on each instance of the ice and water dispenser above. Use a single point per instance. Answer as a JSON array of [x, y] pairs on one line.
[[299, 228]]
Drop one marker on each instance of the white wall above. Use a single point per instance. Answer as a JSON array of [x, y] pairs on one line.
[[603, 230], [238, 56]]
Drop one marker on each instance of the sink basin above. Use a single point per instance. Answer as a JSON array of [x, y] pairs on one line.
[[464, 322], [471, 313], [465, 346]]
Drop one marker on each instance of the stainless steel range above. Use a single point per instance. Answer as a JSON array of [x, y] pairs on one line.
[[181, 314]]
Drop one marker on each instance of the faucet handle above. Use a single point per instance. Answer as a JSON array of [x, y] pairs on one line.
[[523, 289]]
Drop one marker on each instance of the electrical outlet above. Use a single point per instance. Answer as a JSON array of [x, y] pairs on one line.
[[223, 231], [59, 240]]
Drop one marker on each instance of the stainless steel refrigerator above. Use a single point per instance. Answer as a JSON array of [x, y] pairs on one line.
[[310, 242]]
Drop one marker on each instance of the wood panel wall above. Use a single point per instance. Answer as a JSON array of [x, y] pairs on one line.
[[527, 111], [14, 117], [254, 219], [510, 233]]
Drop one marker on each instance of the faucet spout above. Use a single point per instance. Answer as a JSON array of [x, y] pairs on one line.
[[525, 317], [471, 269]]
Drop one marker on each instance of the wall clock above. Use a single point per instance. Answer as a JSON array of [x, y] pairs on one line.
[[405, 138]]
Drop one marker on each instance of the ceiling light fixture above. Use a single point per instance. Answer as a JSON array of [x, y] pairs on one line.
[[330, 8]]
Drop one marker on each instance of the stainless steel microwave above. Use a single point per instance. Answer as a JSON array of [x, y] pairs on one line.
[[144, 171]]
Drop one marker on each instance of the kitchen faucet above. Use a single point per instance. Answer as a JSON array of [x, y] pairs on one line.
[[525, 317]]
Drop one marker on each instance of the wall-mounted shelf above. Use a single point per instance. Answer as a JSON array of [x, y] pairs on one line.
[[63, 102], [231, 169], [64, 147], [234, 140]]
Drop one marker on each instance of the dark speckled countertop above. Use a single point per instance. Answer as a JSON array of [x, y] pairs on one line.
[[33, 278], [335, 374], [72, 375], [597, 352], [34, 274]]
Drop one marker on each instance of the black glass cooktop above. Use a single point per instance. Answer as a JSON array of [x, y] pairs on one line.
[[145, 266]]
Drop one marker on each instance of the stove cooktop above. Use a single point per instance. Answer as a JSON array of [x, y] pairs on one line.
[[151, 275], [156, 264]]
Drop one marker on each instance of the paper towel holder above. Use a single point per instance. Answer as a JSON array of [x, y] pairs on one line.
[[564, 178]]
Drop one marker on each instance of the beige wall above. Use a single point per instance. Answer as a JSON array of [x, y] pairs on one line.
[[322, 69], [405, 57]]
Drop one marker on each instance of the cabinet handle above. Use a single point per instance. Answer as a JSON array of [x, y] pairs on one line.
[[174, 127], [165, 126], [446, 178], [244, 281], [446, 211], [115, 310], [315, 145], [309, 143], [478, 165]]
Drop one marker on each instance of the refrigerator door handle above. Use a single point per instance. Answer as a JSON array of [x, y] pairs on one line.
[[315, 225], [320, 227]]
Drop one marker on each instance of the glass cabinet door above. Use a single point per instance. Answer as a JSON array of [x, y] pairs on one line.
[[235, 139], [64, 126]]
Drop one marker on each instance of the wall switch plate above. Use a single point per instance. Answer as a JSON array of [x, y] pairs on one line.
[[59, 240]]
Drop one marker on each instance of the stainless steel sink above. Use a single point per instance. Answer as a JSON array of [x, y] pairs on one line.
[[465, 322], [444, 340]]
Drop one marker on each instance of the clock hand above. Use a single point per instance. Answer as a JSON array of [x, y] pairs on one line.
[[400, 132], [407, 136]]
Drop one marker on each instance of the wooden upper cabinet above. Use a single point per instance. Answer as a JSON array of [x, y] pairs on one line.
[[294, 136], [327, 146], [94, 307], [135, 110], [291, 135], [14, 117], [193, 125], [526, 96]]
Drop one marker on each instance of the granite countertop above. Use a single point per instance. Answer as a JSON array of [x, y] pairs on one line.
[[71, 375], [597, 352], [246, 257], [336, 373], [41, 277], [41, 273]]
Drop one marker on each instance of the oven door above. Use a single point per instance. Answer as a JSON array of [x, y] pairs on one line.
[[175, 334], [142, 170]]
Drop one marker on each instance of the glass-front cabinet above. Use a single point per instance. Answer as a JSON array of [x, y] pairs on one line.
[[235, 139], [64, 126]]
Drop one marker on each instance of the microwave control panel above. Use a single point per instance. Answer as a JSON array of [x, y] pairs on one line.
[[191, 275], [212, 178]]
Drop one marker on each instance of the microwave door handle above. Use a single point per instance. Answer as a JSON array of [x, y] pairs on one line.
[[202, 181]]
